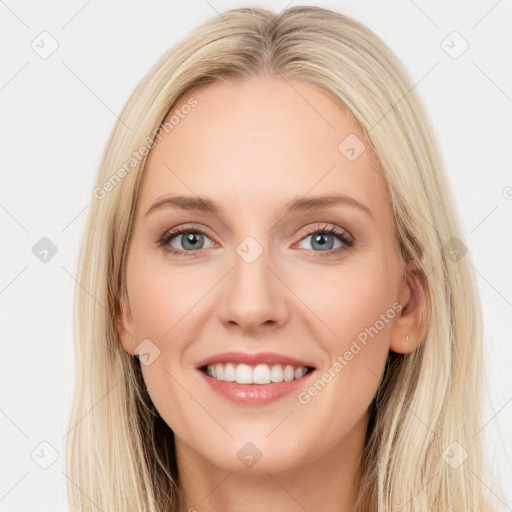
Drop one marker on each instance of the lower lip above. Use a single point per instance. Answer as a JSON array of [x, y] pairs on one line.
[[255, 394]]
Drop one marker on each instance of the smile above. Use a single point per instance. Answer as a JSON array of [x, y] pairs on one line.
[[255, 374]]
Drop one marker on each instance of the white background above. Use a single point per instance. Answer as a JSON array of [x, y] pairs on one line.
[[57, 113]]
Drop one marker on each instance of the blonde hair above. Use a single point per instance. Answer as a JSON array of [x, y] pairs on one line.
[[120, 452]]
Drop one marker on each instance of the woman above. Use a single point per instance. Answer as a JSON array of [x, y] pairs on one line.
[[276, 306]]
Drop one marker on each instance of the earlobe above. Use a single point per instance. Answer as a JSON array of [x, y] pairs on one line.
[[124, 324], [408, 329]]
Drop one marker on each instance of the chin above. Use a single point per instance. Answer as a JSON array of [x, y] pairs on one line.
[[252, 455]]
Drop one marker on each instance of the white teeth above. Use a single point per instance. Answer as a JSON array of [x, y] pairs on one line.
[[259, 374], [229, 373], [243, 374], [276, 374], [289, 373], [300, 372]]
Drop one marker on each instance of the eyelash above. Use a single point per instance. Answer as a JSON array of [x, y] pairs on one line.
[[318, 229]]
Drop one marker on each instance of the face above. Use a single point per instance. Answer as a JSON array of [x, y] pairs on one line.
[[264, 267]]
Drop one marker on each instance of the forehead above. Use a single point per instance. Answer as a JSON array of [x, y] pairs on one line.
[[259, 143]]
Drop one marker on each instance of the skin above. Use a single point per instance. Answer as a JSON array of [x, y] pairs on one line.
[[252, 146]]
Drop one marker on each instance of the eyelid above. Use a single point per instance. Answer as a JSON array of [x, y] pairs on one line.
[[329, 228]]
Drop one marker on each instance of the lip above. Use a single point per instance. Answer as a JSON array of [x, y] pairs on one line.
[[253, 359], [254, 394]]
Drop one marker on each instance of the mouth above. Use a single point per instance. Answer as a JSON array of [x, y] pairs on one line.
[[255, 379], [255, 374]]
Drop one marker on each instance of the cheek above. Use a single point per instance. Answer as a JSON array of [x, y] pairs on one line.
[[166, 304], [161, 298], [355, 306], [161, 304], [352, 298]]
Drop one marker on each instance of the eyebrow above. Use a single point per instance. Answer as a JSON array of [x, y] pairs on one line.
[[190, 203]]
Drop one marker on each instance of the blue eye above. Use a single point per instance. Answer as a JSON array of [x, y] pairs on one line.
[[324, 239], [192, 240]]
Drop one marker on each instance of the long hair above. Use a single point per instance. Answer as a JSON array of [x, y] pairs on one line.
[[426, 416]]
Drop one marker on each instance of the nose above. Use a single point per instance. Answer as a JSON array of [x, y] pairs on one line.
[[253, 296]]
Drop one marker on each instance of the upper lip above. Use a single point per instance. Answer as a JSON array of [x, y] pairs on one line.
[[253, 359]]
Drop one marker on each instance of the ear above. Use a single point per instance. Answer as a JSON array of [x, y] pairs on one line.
[[408, 328], [125, 326]]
